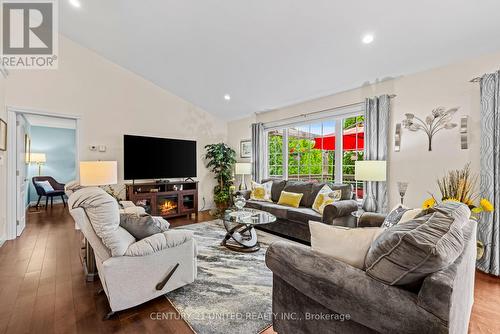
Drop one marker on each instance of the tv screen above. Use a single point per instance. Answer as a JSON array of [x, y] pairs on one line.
[[158, 158]]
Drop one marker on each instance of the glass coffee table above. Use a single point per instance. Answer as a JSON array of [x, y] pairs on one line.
[[241, 235]]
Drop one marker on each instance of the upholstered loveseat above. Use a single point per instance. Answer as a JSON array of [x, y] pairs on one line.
[[316, 293], [292, 223]]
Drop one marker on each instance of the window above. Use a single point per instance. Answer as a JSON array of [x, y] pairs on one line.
[[310, 151]]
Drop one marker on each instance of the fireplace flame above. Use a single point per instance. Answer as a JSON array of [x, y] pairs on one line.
[[168, 206]]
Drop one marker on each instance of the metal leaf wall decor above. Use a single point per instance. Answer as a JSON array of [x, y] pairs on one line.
[[440, 119]]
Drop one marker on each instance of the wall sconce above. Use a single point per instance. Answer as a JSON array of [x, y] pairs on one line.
[[397, 138], [464, 132]]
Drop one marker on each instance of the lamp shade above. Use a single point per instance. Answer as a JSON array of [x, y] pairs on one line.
[[370, 170], [98, 173], [243, 168], [38, 158]]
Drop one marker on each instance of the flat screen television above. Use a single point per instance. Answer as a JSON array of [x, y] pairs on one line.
[[158, 158]]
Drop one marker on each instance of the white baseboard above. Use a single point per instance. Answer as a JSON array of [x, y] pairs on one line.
[[2, 240]]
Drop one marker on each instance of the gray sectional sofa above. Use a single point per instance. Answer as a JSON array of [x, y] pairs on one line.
[[293, 223]]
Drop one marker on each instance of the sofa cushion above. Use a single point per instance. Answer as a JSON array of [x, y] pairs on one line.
[[143, 226], [302, 188], [406, 253], [254, 204], [346, 190], [261, 192], [303, 215], [279, 211], [277, 188], [334, 241], [103, 213], [290, 199]]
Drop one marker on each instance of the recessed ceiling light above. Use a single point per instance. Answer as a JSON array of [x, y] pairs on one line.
[[75, 3], [227, 97], [368, 38]]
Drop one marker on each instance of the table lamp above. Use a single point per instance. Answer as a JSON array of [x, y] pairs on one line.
[[39, 159], [243, 168], [370, 171], [98, 173]]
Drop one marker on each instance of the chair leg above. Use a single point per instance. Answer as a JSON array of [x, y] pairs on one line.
[[46, 202], [51, 201], [38, 202], [64, 202]]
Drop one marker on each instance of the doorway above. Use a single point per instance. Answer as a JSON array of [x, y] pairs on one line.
[[44, 156]]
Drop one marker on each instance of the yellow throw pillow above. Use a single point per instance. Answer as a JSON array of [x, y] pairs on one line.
[[290, 199], [325, 196], [261, 192]]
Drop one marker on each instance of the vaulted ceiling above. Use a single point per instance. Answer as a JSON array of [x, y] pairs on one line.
[[270, 53]]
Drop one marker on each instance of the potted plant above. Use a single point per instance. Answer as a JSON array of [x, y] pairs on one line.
[[220, 160]]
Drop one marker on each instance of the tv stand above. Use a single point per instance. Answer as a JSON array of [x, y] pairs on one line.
[[165, 198]]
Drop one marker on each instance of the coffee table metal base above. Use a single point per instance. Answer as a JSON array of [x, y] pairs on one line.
[[241, 238]]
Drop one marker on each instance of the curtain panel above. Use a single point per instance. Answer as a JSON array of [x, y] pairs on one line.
[[258, 150], [489, 225], [376, 143]]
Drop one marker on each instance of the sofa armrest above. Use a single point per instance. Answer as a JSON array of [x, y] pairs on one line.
[[344, 289], [370, 219], [338, 209], [158, 242]]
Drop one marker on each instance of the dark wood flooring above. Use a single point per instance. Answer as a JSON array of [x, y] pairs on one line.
[[42, 287]]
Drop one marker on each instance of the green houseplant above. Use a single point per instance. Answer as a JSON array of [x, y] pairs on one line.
[[220, 160]]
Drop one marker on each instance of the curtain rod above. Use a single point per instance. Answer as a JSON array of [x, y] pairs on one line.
[[391, 96]]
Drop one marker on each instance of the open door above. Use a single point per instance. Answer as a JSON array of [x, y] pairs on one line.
[[22, 157]]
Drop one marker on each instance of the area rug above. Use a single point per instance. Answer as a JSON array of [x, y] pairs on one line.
[[232, 293]]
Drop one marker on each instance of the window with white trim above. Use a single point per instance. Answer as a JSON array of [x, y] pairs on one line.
[[323, 150]]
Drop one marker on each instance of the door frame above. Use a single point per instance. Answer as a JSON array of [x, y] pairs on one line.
[[12, 196]]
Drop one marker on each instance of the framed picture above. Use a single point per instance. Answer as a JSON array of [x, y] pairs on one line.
[[246, 148], [3, 135]]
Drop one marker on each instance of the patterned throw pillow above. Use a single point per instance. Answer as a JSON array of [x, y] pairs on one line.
[[394, 216], [325, 196], [261, 192], [47, 187], [290, 199]]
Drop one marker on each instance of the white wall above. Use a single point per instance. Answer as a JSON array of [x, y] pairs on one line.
[[3, 165], [417, 93], [113, 101]]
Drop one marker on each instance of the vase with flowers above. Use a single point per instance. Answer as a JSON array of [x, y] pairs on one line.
[[460, 186]]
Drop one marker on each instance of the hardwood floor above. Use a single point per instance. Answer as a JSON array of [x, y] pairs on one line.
[[42, 287]]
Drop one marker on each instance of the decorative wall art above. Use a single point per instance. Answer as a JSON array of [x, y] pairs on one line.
[[246, 149], [440, 119]]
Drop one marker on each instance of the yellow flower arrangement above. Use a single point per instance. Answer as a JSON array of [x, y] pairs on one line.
[[486, 205], [429, 203]]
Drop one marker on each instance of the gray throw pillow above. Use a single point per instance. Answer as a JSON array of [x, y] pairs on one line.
[[394, 216], [142, 226], [406, 253]]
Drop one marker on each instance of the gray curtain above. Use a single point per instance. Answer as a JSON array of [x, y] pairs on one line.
[[376, 139], [257, 152], [489, 226]]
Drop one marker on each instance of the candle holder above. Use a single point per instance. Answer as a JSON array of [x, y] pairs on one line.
[[402, 187]]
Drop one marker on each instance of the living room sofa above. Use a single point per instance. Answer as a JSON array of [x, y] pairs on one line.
[[315, 293], [293, 223]]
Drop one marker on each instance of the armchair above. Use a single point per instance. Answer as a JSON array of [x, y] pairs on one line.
[[131, 272], [58, 190]]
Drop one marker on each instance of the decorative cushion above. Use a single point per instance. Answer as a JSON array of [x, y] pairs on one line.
[[261, 192], [410, 215], [290, 199], [103, 213], [394, 216], [300, 187], [337, 241], [45, 185], [324, 197], [143, 226], [406, 253], [276, 189]]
